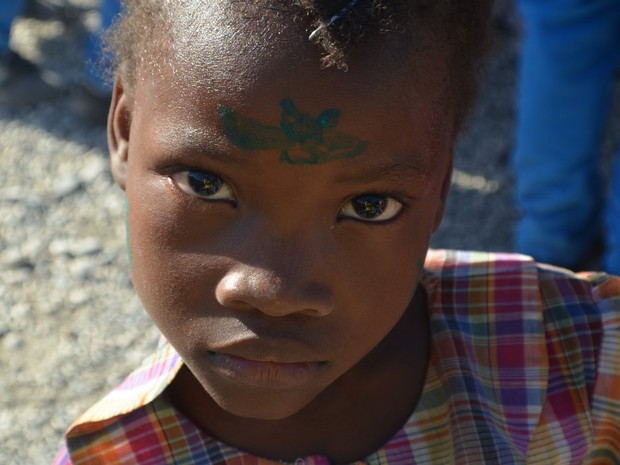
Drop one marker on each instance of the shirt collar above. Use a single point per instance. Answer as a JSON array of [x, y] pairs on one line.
[[141, 387]]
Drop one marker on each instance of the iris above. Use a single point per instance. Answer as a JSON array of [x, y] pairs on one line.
[[204, 183], [369, 206]]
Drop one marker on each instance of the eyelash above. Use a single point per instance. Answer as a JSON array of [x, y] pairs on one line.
[[187, 179], [391, 198]]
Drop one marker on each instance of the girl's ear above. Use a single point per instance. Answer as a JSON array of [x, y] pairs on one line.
[[119, 123]]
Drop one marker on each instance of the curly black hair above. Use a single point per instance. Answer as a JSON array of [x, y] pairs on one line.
[[460, 26]]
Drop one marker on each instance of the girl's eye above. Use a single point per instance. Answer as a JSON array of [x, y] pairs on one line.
[[203, 184], [371, 207]]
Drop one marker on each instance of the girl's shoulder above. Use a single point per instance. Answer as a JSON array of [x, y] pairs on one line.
[[535, 344]]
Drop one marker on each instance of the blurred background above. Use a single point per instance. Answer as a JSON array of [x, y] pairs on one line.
[[70, 325]]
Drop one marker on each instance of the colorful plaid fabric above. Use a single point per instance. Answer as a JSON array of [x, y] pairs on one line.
[[523, 370]]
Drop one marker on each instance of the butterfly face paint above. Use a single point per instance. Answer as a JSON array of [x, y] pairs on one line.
[[301, 138]]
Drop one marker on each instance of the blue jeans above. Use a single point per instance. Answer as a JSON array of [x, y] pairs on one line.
[[93, 45], [9, 10], [570, 54], [108, 9]]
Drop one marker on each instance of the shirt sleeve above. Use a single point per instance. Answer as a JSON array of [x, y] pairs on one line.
[[580, 418], [606, 396], [62, 457]]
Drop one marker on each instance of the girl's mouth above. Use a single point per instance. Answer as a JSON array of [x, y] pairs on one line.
[[265, 372]]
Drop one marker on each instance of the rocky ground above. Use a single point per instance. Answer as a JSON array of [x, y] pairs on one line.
[[70, 325]]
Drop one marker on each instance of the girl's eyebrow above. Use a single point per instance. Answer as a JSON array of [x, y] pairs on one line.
[[397, 172], [184, 139]]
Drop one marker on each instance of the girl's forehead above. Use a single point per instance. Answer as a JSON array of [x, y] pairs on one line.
[[248, 58], [232, 39], [223, 26], [258, 87], [253, 65], [228, 43], [281, 100]]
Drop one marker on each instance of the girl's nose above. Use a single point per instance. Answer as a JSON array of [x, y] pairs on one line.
[[247, 287]]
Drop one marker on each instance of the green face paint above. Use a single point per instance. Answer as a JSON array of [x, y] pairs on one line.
[[302, 139]]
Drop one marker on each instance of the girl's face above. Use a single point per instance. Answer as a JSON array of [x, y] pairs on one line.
[[279, 214]]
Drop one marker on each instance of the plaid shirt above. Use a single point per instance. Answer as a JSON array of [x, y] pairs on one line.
[[523, 369]]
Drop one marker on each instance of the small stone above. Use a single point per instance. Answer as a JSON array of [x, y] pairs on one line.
[[79, 296], [11, 257], [51, 309], [20, 311], [75, 247], [31, 247], [59, 247], [80, 269], [92, 170], [5, 420], [17, 277], [85, 246], [65, 185], [12, 341], [12, 193], [61, 281], [17, 194]]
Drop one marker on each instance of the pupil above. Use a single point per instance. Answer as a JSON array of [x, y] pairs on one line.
[[369, 206], [204, 183]]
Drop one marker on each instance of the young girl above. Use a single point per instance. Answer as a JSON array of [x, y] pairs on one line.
[[285, 164]]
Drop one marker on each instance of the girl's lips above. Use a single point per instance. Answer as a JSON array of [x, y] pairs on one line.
[[264, 372]]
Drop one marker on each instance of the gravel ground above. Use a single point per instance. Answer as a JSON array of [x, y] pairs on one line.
[[71, 326]]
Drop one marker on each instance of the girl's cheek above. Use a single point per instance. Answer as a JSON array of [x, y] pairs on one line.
[[128, 235]]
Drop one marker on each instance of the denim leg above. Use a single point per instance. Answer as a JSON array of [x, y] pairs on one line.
[[9, 10], [570, 53], [611, 260], [93, 46]]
